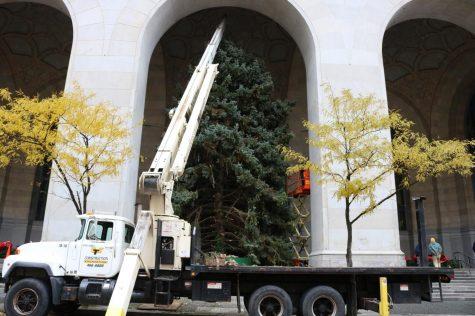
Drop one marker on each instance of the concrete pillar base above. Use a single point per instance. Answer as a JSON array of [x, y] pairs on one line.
[[360, 259]]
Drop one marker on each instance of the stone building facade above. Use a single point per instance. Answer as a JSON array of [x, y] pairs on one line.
[[416, 54]]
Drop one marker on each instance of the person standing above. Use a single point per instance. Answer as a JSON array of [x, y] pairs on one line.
[[417, 251], [435, 249]]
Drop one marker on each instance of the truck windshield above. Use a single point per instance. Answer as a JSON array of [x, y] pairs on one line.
[[81, 232]]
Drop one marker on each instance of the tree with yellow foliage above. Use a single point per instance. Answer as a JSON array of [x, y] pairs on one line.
[[357, 154], [83, 139]]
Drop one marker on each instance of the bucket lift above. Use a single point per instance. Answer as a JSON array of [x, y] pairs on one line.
[[298, 188]]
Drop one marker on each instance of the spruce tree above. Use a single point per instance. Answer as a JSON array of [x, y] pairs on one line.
[[234, 183]]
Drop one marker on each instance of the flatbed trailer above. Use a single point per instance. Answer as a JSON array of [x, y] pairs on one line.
[[297, 290], [45, 272]]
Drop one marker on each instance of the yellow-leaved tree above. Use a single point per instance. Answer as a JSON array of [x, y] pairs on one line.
[[84, 140], [357, 154]]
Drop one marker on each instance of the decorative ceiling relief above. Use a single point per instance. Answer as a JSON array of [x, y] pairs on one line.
[[35, 46], [420, 45], [420, 58], [184, 43]]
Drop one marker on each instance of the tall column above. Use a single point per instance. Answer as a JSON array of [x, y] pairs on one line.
[[103, 61], [350, 44]]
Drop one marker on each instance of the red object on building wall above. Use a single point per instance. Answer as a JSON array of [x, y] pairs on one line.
[[298, 184], [7, 247]]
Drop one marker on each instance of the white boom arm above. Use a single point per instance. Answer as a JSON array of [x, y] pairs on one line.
[[172, 154], [168, 164]]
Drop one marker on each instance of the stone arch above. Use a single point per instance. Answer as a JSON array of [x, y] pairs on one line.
[[285, 13], [441, 99], [34, 57], [182, 45], [458, 12], [151, 21]]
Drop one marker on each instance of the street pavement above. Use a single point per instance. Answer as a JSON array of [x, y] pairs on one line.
[[230, 309]]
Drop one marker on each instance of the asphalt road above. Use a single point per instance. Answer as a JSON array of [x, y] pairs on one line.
[[229, 309]]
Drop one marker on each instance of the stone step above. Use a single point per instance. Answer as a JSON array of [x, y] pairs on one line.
[[449, 297], [458, 287], [461, 288], [454, 287], [459, 299], [458, 290], [459, 294], [463, 282]]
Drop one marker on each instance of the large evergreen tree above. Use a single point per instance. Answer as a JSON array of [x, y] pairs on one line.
[[234, 183]]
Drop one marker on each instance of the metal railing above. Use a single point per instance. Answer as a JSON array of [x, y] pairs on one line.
[[464, 261]]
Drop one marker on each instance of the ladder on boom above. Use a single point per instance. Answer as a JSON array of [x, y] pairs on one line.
[[168, 164]]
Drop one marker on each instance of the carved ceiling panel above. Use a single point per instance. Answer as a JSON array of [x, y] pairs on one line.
[[185, 42], [419, 45], [35, 45], [420, 57]]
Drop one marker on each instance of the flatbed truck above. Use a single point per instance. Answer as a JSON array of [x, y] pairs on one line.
[[66, 275], [114, 262]]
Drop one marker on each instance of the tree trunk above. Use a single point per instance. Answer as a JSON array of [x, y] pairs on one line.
[[219, 216], [84, 202], [349, 230], [352, 308]]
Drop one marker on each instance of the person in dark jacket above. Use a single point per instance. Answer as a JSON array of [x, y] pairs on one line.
[[417, 251]]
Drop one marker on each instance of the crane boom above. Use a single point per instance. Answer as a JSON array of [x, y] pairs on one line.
[[158, 180], [168, 164]]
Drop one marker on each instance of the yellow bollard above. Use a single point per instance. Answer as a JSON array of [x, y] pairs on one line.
[[383, 293]]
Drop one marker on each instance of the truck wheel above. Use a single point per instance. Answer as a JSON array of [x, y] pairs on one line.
[[322, 301], [270, 300], [28, 297]]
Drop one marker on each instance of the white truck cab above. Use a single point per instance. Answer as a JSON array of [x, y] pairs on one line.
[[98, 252], [99, 249]]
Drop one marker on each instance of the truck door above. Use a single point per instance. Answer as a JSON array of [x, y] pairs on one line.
[[97, 250], [74, 250]]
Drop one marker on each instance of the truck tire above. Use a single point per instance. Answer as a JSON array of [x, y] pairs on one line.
[[322, 301], [270, 300], [28, 297]]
